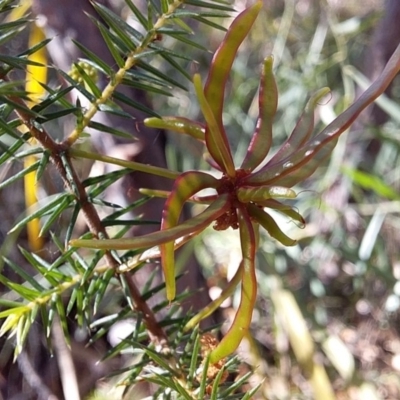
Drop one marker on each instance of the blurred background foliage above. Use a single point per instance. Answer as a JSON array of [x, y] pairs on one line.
[[344, 272]]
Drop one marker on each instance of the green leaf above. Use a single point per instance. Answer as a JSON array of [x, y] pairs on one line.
[[115, 52], [46, 209], [15, 312], [18, 106], [236, 385], [109, 129], [35, 48], [77, 86], [56, 213], [18, 62], [175, 65], [179, 125], [195, 355], [269, 224], [260, 143], [140, 17], [195, 224], [133, 103], [160, 75], [72, 222], [94, 60], [212, 24], [136, 76], [24, 275], [302, 131], [9, 128], [223, 58], [127, 34], [372, 182], [204, 375], [56, 95], [102, 182], [142, 85], [215, 136], [7, 26], [115, 109], [9, 304], [104, 282], [242, 321], [25, 292], [186, 41], [43, 163], [62, 317], [56, 115], [205, 4], [19, 175], [188, 184]]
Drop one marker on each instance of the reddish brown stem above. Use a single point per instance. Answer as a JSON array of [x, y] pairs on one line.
[[60, 157]]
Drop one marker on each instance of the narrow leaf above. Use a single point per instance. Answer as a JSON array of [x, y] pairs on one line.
[[140, 17], [109, 129], [179, 125], [242, 321], [210, 308], [94, 59], [321, 146], [260, 143], [19, 175], [302, 131], [132, 103], [195, 224], [269, 224], [188, 184], [223, 59], [125, 32], [216, 140]]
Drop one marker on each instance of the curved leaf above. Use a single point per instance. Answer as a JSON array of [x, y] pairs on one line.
[[300, 164], [242, 320], [216, 140], [188, 184], [269, 224], [284, 209], [210, 308], [268, 100], [302, 130], [223, 59]]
